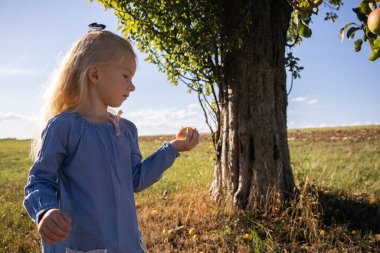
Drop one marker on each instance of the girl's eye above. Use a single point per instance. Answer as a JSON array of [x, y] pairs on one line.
[[126, 77]]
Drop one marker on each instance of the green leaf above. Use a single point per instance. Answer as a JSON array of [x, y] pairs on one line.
[[369, 34], [341, 33], [376, 43], [375, 48], [361, 16], [364, 7], [358, 45], [375, 54], [351, 32], [304, 30]]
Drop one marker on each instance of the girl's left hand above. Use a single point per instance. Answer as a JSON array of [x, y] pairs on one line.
[[192, 139]]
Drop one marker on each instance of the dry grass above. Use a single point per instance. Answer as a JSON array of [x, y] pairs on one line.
[[166, 225], [336, 210], [299, 226]]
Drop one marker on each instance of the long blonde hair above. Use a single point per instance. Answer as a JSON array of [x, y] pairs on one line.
[[68, 88]]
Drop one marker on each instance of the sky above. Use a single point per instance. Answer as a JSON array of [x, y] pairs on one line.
[[338, 86]]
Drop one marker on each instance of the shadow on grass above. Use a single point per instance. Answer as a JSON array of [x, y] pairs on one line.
[[354, 211]]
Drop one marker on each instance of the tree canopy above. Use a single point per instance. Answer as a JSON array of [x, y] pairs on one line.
[[186, 39]]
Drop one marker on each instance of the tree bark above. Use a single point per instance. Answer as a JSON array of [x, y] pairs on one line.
[[254, 157]]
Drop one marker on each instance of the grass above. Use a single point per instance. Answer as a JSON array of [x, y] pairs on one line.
[[349, 167], [191, 170], [339, 197], [17, 232]]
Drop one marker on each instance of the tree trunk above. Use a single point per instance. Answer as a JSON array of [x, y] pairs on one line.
[[254, 155]]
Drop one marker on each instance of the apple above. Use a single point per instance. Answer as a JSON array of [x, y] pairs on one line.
[[181, 134], [317, 2], [373, 21]]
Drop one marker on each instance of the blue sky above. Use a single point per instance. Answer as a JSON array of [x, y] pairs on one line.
[[338, 86]]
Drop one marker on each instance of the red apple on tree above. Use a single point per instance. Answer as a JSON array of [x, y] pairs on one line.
[[373, 21]]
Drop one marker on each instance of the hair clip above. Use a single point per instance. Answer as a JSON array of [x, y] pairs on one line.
[[96, 27]]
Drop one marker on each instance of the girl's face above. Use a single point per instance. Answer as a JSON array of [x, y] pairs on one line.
[[114, 82]]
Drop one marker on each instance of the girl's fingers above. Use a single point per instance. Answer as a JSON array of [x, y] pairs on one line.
[[189, 134], [66, 217], [63, 223], [191, 142], [54, 231], [54, 226], [60, 227], [195, 138], [192, 138], [46, 238], [49, 236]]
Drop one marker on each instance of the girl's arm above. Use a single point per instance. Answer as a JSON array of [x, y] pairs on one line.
[[42, 186], [149, 171]]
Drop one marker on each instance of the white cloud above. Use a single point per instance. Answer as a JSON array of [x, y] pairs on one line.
[[9, 71], [312, 101], [322, 125], [304, 100], [13, 116], [299, 99], [293, 112], [361, 123], [295, 125], [167, 120], [194, 106]]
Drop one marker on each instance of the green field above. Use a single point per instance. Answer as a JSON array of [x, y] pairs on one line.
[[346, 167]]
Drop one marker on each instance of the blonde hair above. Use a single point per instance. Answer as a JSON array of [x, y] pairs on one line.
[[68, 89]]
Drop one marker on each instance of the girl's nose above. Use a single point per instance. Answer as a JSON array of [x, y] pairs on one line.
[[131, 87]]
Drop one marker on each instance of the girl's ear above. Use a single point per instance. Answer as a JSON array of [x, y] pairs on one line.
[[93, 74]]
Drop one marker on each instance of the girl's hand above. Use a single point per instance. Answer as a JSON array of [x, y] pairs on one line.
[[190, 141], [54, 226]]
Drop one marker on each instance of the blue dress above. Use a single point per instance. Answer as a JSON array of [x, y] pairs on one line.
[[89, 172]]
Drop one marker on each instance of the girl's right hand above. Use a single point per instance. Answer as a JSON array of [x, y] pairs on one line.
[[190, 140], [54, 226]]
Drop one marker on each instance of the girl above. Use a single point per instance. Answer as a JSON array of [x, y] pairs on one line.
[[80, 190]]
